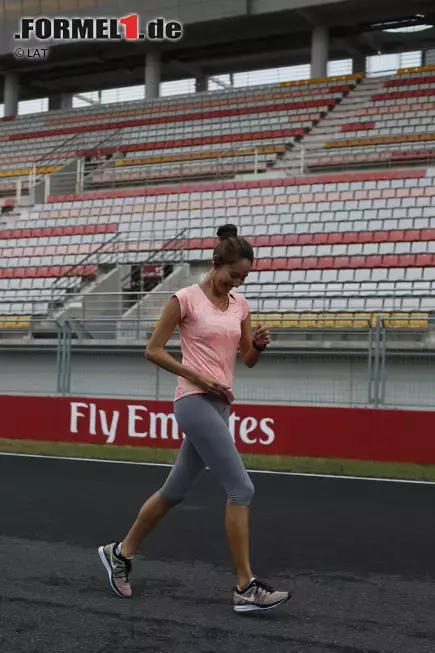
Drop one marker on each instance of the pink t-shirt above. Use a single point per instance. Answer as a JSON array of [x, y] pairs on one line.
[[209, 337]]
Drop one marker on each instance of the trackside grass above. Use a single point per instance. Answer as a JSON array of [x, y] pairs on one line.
[[407, 471]]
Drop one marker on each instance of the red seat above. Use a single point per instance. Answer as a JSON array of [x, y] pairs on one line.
[[193, 243], [350, 237], [406, 260], [319, 239], [262, 264], [373, 261], [357, 262], [397, 236], [335, 238], [424, 260], [275, 241], [428, 234], [390, 261], [325, 262], [279, 264], [305, 239], [310, 262], [291, 239], [261, 241], [341, 262], [358, 126], [294, 264]]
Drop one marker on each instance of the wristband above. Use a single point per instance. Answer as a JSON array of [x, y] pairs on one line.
[[260, 349]]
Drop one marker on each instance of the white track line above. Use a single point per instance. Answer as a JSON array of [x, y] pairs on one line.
[[251, 471]]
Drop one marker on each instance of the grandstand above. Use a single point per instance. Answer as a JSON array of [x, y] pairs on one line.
[[331, 177], [358, 243]]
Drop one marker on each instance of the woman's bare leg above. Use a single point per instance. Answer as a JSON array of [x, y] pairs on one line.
[[149, 516], [237, 528]]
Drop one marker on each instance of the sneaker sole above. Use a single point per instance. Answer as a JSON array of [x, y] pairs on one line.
[[105, 562], [259, 608]]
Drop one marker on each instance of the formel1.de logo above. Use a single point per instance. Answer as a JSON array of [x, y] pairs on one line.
[[44, 28]]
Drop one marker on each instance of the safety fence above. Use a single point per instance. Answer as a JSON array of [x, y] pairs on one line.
[[382, 363]]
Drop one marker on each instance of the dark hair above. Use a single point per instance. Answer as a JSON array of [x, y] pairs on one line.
[[232, 248]]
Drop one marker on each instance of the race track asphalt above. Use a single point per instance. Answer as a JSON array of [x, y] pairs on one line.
[[359, 555]]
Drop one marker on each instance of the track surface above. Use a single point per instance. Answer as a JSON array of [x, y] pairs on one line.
[[360, 556]]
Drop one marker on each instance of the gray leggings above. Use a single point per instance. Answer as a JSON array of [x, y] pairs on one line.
[[208, 443]]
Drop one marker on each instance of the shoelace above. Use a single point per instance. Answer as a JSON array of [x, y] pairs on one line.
[[263, 586], [122, 570]]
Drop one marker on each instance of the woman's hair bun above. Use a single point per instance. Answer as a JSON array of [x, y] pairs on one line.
[[226, 231]]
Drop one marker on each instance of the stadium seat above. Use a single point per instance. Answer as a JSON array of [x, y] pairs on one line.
[[331, 249]]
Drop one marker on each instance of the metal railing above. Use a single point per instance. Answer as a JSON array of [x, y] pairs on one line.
[[65, 152], [118, 250], [108, 174], [102, 254]]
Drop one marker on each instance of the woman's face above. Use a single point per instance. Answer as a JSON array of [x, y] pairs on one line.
[[231, 275]]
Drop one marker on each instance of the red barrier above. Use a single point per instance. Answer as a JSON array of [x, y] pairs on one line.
[[352, 433]]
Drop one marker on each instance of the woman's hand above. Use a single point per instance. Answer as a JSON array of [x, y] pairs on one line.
[[210, 384], [262, 336]]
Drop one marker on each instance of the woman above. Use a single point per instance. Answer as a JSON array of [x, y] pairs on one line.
[[214, 322]]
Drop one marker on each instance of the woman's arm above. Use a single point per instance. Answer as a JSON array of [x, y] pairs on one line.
[[155, 350], [250, 355]]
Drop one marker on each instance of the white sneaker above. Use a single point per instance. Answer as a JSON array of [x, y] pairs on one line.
[[258, 596], [118, 568]]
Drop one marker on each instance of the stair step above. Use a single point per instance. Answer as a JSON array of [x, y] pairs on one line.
[[329, 127]]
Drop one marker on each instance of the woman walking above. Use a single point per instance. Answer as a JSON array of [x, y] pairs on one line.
[[214, 322]]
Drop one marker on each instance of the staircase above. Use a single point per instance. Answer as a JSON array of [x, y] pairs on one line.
[[296, 162]]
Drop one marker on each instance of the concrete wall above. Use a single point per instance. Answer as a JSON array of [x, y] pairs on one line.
[[299, 379]]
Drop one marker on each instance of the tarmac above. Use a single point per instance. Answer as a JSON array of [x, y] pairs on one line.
[[359, 556]]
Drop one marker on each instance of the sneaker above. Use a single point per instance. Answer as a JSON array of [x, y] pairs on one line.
[[118, 568], [258, 596]]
